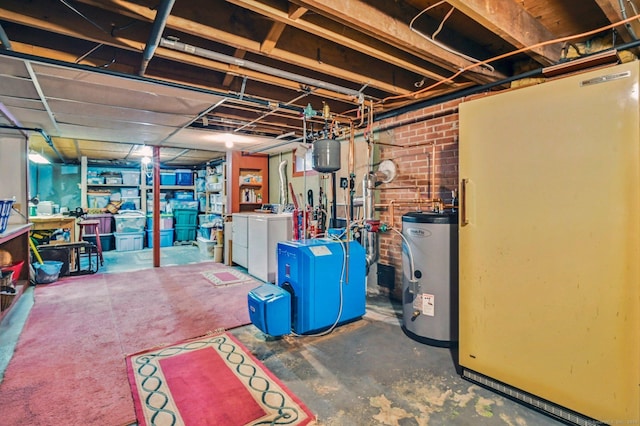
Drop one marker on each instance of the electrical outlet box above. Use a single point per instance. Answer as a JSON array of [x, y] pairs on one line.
[[344, 182]]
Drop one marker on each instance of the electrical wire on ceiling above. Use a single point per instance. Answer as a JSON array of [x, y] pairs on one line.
[[512, 53], [433, 40], [86, 18], [93, 49]]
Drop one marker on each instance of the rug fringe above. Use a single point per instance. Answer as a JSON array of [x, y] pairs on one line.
[[215, 332]]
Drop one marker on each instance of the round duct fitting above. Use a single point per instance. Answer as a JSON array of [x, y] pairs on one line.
[[326, 155], [386, 171]]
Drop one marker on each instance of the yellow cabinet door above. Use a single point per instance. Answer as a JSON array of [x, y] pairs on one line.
[[550, 241]]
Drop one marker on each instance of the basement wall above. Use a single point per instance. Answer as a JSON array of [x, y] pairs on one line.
[[425, 151]]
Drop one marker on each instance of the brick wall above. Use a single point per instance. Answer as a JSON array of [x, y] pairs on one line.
[[425, 151]]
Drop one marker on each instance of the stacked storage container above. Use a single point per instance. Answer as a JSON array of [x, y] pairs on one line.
[[185, 224], [97, 199], [130, 198], [105, 228], [166, 230], [185, 207], [208, 238], [184, 177], [167, 177], [163, 203], [130, 230]]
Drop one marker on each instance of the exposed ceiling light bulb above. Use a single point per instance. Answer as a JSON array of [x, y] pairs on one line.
[[228, 144], [38, 158], [145, 150], [145, 160]]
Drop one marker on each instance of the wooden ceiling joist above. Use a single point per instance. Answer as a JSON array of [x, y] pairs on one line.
[[201, 30], [514, 24], [352, 43], [369, 20]]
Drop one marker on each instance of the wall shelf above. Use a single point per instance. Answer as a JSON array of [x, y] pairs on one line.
[[247, 172], [216, 199], [108, 185], [14, 175]]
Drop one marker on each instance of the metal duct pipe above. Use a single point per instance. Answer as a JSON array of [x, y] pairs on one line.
[[283, 183], [164, 10], [44, 134], [628, 26], [6, 44], [198, 51], [370, 238], [334, 199]]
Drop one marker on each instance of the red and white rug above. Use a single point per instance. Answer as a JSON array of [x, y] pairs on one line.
[[212, 380], [226, 276]]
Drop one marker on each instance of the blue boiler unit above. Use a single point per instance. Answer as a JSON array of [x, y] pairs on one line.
[[321, 288]]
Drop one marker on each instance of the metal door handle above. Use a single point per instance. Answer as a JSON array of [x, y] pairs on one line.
[[464, 220]]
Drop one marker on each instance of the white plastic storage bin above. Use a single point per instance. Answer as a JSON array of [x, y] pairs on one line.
[[129, 192], [111, 180], [166, 221], [130, 177], [97, 200], [129, 241], [207, 248], [133, 221], [163, 206]]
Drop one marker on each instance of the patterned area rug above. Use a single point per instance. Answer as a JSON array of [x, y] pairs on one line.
[[212, 380], [226, 276]]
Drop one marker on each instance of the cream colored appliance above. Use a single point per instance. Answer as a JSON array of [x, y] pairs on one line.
[[550, 244], [266, 230]]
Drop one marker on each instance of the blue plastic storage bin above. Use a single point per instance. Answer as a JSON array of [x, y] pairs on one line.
[[166, 238], [167, 178], [185, 216], [184, 177], [185, 232], [48, 271], [183, 195], [107, 241]]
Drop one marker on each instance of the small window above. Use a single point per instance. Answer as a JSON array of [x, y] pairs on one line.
[[303, 163]]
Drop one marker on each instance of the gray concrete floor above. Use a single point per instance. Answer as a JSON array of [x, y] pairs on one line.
[[370, 373], [367, 372]]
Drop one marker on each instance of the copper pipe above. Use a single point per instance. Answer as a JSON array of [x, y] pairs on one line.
[[433, 170], [391, 206], [351, 149], [389, 188]]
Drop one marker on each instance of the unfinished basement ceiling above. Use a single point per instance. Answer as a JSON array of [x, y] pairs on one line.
[[249, 70]]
